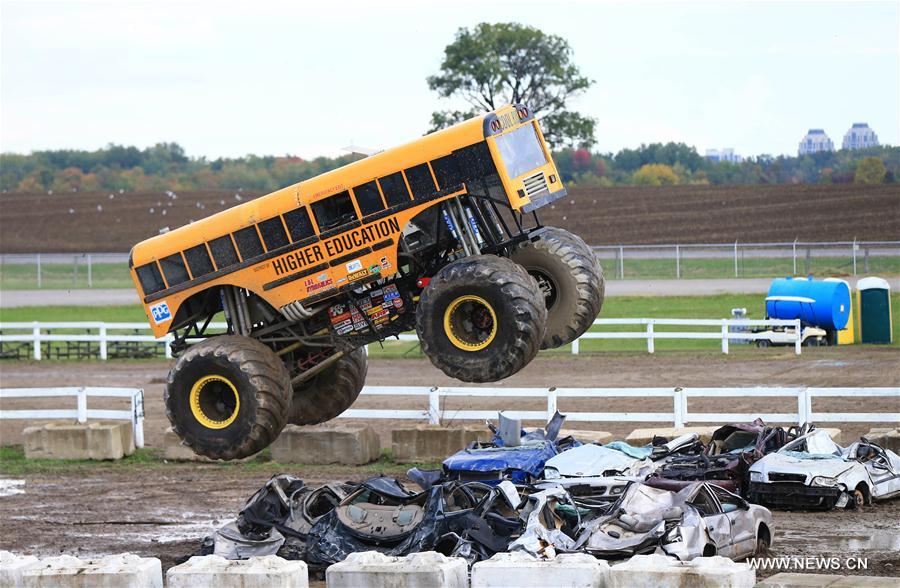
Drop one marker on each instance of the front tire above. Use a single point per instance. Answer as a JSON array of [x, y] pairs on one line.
[[571, 280], [481, 319], [228, 397], [331, 391]]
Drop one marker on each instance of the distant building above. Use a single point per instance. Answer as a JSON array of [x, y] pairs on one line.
[[726, 154], [860, 136], [815, 140]]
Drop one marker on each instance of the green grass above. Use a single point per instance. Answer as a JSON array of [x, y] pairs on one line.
[[65, 276], [14, 463], [699, 307], [112, 275]]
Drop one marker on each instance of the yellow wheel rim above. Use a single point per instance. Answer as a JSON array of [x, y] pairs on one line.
[[470, 323], [215, 402]]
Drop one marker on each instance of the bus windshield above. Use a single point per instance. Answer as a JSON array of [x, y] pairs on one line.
[[521, 150]]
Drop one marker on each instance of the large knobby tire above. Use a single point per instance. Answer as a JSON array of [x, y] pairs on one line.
[[228, 397], [481, 319], [331, 391], [571, 280]]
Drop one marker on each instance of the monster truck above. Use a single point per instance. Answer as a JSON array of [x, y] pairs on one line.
[[440, 235]]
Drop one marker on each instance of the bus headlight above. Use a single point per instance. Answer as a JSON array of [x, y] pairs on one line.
[[823, 481], [756, 476], [551, 474]]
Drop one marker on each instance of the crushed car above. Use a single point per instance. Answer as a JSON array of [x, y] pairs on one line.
[[726, 459], [512, 454], [594, 473], [701, 519], [814, 472]]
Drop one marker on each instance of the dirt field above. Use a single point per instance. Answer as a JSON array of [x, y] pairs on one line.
[[628, 215], [164, 510]]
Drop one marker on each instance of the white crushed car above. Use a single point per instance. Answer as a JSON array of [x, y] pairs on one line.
[[602, 472], [700, 520], [815, 472]]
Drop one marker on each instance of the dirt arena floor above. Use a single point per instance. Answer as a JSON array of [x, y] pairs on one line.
[[164, 510]]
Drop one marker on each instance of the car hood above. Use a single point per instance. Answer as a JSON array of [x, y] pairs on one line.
[[791, 464], [593, 460]]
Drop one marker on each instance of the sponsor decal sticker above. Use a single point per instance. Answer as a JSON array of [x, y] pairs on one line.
[[358, 275], [160, 312], [354, 266]]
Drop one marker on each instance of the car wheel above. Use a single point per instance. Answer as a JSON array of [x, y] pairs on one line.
[[857, 499]]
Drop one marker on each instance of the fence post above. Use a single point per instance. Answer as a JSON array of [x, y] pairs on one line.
[[75, 271], [798, 341], [677, 261], [725, 336], [679, 408], [434, 406], [855, 247], [804, 406], [575, 346], [651, 343], [90, 275], [167, 340], [808, 261], [735, 262], [36, 331], [103, 352], [82, 405], [137, 417], [794, 255], [621, 263], [551, 403], [38, 263]]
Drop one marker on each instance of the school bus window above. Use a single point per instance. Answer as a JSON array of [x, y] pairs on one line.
[[198, 260], [298, 223], [394, 189], [368, 198], [223, 251], [521, 151], [420, 181], [151, 279], [447, 172], [248, 242], [174, 270], [334, 211], [475, 162], [273, 233]]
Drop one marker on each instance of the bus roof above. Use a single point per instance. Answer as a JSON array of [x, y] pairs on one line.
[[420, 150]]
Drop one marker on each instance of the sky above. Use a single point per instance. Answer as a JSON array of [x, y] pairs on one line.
[[226, 79]]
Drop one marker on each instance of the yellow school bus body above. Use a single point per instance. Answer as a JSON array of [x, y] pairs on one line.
[[340, 258]]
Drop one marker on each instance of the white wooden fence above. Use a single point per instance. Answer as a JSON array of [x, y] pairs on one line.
[[679, 416], [724, 330], [81, 412]]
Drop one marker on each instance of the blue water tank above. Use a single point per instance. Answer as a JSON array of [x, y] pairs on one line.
[[824, 304]]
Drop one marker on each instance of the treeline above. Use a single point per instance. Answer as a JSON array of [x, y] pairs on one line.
[[165, 166]]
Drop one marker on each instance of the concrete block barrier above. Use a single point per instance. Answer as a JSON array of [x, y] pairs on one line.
[[97, 441], [12, 567], [644, 436], [113, 571], [886, 437], [660, 571], [428, 443], [269, 571], [521, 570], [324, 444], [427, 569], [598, 437]]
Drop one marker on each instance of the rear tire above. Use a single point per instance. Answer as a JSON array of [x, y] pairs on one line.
[[481, 319], [331, 391], [571, 281], [228, 397]]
